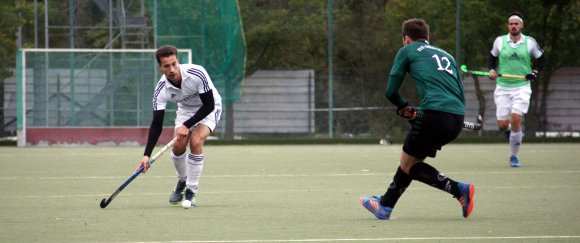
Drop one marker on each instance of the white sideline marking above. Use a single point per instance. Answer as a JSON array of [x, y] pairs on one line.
[[281, 191], [539, 237], [280, 175]]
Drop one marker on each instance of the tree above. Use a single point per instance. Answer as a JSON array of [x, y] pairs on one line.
[[555, 25], [292, 34], [12, 18], [285, 34], [552, 23]]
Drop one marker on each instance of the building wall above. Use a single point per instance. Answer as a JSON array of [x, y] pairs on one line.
[[276, 102]]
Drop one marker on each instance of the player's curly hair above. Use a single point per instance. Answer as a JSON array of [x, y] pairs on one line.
[[416, 29], [165, 51]]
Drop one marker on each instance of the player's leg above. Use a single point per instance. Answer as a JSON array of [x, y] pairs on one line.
[[397, 187], [429, 175], [436, 130], [179, 158], [195, 160], [505, 127], [521, 103], [515, 139], [382, 207], [428, 134], [503, 104]]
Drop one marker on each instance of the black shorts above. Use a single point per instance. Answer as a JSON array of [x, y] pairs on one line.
[[430, 131]]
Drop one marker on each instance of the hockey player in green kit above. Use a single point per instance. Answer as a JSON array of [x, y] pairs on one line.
[[437, 120], [512, 53]]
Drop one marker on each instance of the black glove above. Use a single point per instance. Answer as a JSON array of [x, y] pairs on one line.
[[532, 76], [407, 111]]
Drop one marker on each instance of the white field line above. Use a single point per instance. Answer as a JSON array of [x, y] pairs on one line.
[[278, 175], [311, 190], [466, 238]]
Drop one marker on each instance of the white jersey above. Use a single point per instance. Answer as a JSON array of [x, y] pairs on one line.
[[533, 48], [195, 81]]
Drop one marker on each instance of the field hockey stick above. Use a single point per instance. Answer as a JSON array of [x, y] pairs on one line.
[[483, 73], [106, 202], [476, 126]]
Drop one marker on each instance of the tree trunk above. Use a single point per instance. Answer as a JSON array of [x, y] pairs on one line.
[[480, 95], [229, 112]]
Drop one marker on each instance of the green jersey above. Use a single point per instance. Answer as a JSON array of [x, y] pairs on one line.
[[435, 74]]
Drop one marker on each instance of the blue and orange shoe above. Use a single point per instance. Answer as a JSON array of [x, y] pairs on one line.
[[514, 162], [374, 206], [466, 199]]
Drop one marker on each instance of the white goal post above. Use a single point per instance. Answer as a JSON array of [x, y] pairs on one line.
[[83, 88]]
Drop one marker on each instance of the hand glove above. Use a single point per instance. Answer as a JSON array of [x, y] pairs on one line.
[[407, 111], [532, 76]]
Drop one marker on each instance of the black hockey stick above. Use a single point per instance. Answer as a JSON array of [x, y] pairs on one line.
[[106, 202], [477, 125]]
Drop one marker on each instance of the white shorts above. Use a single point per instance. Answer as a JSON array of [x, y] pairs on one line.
[[512, 100], [210, 120]]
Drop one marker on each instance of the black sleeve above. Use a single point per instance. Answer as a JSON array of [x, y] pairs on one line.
[[491, 62], [208, 104], [540, 63], [154, 131]]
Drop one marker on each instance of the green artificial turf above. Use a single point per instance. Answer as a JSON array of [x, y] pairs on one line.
[[287, 193]]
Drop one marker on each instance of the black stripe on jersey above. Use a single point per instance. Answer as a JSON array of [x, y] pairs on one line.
[[158, 89], [535, 42], [201, 76], [217, 115]]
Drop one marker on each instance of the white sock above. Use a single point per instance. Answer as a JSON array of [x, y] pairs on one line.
[[180, 163], [194, 168], [515, 141]]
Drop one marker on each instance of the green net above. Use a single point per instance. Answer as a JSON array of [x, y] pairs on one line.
[[212, 29], [88, 87]]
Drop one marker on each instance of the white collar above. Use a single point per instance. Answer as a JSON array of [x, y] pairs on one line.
[[509, 39]]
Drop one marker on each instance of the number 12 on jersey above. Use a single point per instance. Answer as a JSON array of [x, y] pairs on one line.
[[446, 61]]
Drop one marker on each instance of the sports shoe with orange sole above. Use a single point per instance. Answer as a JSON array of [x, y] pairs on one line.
[[374, 206], [466, 191]]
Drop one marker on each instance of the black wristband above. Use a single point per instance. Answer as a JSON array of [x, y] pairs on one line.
[[403, 106]]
